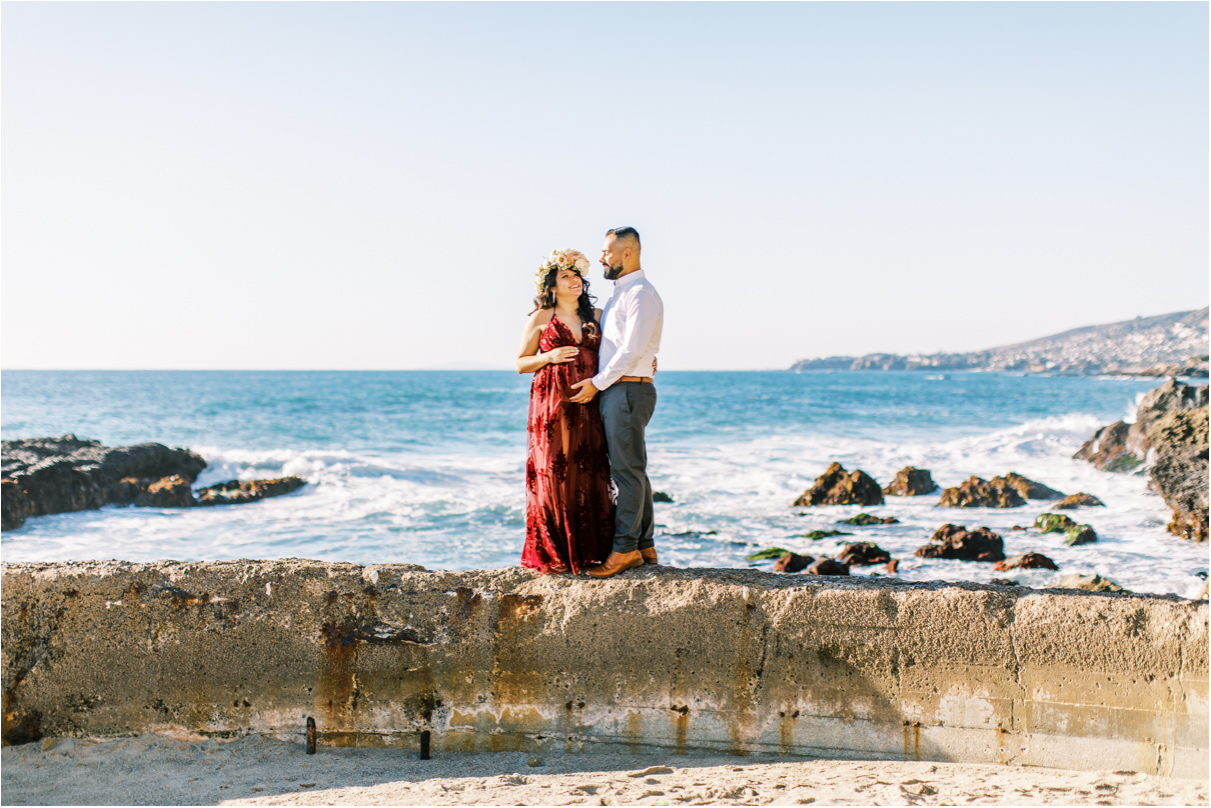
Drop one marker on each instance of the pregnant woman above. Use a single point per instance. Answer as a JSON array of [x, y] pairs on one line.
[[569, 503]]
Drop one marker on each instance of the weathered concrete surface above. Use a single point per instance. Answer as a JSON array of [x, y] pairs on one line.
[[721, 660]]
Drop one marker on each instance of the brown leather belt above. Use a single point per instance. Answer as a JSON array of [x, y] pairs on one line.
[[642, 379]]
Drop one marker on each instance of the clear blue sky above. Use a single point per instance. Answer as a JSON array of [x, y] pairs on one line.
[[370, 185]]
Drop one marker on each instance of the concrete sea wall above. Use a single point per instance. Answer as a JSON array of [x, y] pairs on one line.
[[686, 660]]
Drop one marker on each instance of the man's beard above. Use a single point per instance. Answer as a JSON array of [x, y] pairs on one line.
[[612, 273]]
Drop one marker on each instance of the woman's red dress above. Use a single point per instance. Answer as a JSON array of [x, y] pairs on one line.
[[569, 496]]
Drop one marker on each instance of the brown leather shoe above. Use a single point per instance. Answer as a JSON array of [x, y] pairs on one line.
[[616, 563], [649, 555]]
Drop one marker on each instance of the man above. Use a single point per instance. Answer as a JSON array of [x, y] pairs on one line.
[[631, 323]]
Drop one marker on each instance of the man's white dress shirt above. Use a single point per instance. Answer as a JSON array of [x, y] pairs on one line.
[[630, 330]]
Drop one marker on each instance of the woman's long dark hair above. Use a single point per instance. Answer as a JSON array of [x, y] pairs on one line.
[[584, 304]]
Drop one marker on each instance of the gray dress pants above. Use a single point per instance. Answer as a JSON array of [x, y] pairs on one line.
[[626, 408]]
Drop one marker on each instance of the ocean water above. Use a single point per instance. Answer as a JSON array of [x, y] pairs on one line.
[[427, 467]]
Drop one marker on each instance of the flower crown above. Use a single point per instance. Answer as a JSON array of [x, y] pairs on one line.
[[561, 259]]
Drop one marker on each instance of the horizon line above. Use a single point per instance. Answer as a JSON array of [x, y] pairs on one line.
[[349, 370]]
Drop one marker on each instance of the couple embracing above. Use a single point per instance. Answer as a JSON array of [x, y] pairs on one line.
[[591, 398]]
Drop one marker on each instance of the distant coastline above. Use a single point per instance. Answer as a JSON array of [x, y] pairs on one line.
[[1165, 345]]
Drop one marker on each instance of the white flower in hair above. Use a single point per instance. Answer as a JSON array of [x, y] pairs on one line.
[[561, 259]]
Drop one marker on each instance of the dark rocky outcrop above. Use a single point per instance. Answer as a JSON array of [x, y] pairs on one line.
[[836, 486], [863, 554], [236, 492], [1180, 470], [1080, 500], [167, 492], [1026, 561], [911, 482], [980, 493], [1172, 396], [1123, 447], [1081, 534], [660, 496], [14, 505], [57, 475], [956, 541], [792, 562], [1028, 488], [1054, 523], [1107, 449], [826, 566], [865, 519]]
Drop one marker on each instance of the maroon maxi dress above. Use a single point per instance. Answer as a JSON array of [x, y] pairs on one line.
[[569, 495]]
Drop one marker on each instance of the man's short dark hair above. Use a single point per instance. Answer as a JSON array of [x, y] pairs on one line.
[[625, 232]]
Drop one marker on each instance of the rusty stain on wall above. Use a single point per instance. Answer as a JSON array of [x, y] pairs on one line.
[[739, 661]]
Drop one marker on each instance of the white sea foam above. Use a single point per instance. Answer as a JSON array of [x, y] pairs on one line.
[[743, 491], [461, 510]]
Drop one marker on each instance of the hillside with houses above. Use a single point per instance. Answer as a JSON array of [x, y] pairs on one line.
[[1164, 345]]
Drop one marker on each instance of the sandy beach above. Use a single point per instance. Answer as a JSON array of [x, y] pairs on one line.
[[162, 770]]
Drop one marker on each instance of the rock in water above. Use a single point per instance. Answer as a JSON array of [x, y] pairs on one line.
[[865, 519], [1107, 449], [827, 566], [980, 493], [816, 535], [1089, 583], [911, 482], [1081, 534], [660, 496], [956, 541], [14, 505], [1054, 523], [235, 492], [836, 486], [1172, 396], [168, 492], [1180, 471], [1028, 488], [1026, 561], [768, 552], [1081, 500], [1122, 447], [56, 475], [792, 562], [863, 554]]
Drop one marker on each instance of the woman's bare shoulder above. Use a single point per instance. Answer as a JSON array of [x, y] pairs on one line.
[[540, 316]]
